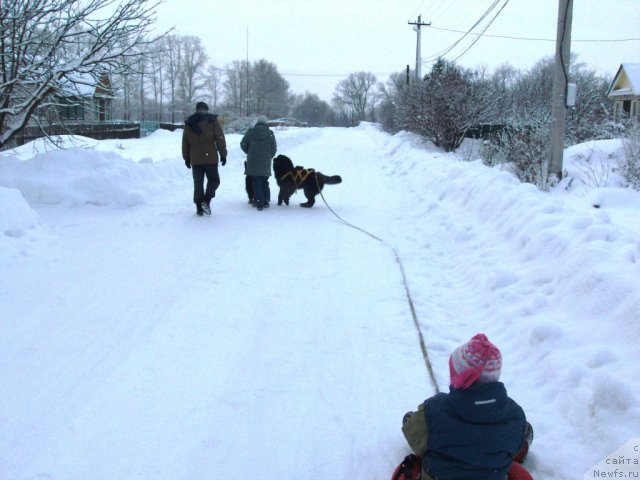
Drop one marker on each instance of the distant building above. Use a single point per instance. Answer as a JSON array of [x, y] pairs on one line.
[[87, 100], [625, 91]]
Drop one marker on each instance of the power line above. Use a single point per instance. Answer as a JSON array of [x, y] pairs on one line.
[[455, 44], [481, 33], [227, 70], [327, 74], [534, 39], [441, 8]]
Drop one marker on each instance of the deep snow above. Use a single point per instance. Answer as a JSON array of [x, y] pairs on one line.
[[139, 341]]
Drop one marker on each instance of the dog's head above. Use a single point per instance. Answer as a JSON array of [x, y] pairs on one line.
[[281, 165]]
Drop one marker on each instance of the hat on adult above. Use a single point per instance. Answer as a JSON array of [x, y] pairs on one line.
[[478, 360], [202, 107], [261, 119]]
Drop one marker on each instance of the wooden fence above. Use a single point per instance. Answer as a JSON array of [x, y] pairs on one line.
[[98, 131]]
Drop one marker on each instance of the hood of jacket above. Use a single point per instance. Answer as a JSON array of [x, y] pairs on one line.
[[261, 131], [193, 121]]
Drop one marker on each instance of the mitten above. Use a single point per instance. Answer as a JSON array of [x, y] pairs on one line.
[[223, 161], [187, 163]]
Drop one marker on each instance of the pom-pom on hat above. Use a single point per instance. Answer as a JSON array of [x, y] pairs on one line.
[[478, 360], [202, 107]]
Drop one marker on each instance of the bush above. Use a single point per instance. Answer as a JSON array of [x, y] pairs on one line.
[[236, 124], [629, 164], [524, 150]]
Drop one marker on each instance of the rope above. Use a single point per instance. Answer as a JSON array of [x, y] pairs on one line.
[[423, 346]]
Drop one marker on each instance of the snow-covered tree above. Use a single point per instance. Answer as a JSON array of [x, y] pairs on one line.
[[447, 103], [49, 47]]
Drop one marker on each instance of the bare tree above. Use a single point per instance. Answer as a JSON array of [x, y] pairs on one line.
[[213, 85], [157, 81], [48, 47], [390, 110], [235, 87], [269, 90], [173, 67], [354, 92], [194, 60]]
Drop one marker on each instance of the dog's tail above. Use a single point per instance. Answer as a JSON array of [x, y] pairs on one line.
[[330, 180]]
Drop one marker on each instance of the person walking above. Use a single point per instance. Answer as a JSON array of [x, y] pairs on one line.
[[259, 143], [202, 141]]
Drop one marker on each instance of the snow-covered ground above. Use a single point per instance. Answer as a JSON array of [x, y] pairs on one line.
[[138, 341]]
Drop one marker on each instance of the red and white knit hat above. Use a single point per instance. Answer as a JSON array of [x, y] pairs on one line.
[[478, 360]]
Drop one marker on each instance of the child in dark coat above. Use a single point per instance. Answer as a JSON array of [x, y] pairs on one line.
[[475, 430]]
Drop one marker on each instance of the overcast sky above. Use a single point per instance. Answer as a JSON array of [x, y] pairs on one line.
[[315, 44]]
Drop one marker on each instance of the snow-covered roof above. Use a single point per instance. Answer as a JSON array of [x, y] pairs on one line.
[[626, 81], [86, 85]]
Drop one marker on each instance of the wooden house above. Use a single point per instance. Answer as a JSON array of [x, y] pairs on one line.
[[86, 101], [625, 91]]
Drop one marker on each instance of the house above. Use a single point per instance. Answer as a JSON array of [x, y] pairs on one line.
[[81, 105], [625, 91], [103, 99], [87, 100]]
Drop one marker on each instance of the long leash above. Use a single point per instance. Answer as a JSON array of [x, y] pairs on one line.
[[423, 346]]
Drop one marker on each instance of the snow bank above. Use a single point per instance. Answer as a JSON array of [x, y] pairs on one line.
[[564, 287], [79, 176], [20, 226], [16, 216]]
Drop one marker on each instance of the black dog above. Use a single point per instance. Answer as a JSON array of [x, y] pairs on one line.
[[290, 178]]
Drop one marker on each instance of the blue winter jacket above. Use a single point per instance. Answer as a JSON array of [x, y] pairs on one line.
[[472, 433]]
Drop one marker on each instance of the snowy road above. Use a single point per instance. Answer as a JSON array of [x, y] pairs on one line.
[[163, 345], [142, 342]]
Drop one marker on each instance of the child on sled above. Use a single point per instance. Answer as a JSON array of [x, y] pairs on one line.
[[475, 430]]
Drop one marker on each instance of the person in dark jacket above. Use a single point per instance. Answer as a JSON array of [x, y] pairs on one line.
[[202, 141], [259, 143], [475, 430]]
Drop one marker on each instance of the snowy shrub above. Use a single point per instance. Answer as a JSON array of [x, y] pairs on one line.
[[524, 150], [629, 164], [594, 172], [240, 125], [446, 103], [589, 118]]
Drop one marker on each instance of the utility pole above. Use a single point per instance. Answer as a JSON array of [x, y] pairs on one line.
[[417, 29], [560, 81]]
